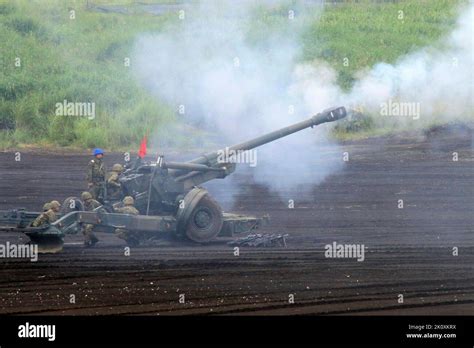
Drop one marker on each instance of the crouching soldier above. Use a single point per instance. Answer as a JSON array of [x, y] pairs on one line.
[[114, 187], [48, 216], [90, 204], [128, 208]]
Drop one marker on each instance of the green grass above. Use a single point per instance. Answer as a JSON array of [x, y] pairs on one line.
[[82, 59], [79, 59], [370, 32]]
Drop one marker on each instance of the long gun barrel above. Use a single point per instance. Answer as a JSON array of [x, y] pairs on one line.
[[189, 167], [328, 115]]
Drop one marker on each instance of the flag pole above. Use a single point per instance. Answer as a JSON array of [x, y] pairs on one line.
[[159, 161]]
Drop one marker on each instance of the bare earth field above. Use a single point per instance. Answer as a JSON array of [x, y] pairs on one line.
[[409, 250]]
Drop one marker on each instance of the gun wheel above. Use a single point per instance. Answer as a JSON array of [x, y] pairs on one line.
[[71, 204], [205, 221]]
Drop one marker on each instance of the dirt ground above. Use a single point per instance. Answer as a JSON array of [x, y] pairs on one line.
[[409, 251]]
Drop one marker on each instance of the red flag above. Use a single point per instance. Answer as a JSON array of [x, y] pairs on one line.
[[142, 151]]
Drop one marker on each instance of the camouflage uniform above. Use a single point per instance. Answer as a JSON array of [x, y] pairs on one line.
[[127, 208], [48, 216], [114, 187], [96, 177], [90, 204]]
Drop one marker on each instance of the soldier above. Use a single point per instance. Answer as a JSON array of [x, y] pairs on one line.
[[114, 188], [96, 175], [90, 204], [127, 208], [48, 216]]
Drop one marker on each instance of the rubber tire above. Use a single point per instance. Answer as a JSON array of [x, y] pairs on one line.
[[65, 208], [202, 235]]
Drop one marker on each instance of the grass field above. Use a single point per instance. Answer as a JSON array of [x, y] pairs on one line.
[[47, 57]]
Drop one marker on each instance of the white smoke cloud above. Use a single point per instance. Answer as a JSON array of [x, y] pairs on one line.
[[238, 88], [440, 79], [241, 88]]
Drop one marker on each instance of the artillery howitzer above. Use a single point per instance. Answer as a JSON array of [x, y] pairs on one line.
[[168, 197]]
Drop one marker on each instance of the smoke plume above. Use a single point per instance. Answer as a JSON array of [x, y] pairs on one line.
[[211, 69]]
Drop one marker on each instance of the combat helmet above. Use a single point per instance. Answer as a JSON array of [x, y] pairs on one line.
[[97, 151], [85, 196], [128, 200], [117, 167], [54, 205]]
